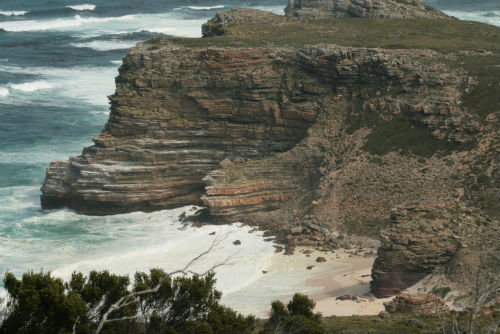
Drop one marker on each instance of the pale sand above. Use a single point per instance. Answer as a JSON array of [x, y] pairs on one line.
[[349, 276]]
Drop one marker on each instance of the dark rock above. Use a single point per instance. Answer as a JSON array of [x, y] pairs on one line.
[[320, 259], [237, 242], [347, 297], [384, 314]]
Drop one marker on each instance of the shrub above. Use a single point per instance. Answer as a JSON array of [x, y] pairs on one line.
[[40, 303], [298, 317]]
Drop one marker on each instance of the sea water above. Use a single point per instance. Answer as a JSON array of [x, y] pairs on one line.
[[58, 60]]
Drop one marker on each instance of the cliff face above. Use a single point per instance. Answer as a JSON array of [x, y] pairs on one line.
[[321, 9], [178, 112], [175, 115], [262, 128]]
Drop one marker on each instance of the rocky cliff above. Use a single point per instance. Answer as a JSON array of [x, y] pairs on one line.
[[175, 115], [322, 9], [274, 124], [429, 236]]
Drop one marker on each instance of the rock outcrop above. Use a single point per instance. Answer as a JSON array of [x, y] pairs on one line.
[[222, 22], [322, 9], [423, 303], [425, 237]]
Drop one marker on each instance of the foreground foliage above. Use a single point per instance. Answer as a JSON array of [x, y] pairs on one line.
[[40, 303], [297, 317]]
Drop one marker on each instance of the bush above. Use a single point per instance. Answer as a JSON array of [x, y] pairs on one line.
[[40, 303], [298, 317]]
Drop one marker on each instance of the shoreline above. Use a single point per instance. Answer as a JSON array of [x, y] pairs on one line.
[[351, 278]]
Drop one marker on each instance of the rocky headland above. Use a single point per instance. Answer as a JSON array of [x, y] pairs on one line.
[[313, 130], [323, 9]]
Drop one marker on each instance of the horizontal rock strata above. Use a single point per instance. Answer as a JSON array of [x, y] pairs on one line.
[[178, 112], [175, 115]]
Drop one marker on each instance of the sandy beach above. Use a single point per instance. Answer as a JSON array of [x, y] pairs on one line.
[[350, 275]]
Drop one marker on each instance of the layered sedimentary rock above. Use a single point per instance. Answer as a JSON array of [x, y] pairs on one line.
[[311, 174], [175, 115], [178, 112], [321, 9], [272, 135], [425, 237]]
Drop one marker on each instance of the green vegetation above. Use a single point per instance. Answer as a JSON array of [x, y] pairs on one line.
[[484, 98], [40, 303], [406, 138], [445, 35], [441, 292], [297, 317]]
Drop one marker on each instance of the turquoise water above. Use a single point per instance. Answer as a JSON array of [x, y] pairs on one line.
[[58, 60]]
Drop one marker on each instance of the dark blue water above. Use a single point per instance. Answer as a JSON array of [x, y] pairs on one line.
[[58, 60]]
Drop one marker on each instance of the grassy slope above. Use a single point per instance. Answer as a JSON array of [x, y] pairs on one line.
[[440, 35]]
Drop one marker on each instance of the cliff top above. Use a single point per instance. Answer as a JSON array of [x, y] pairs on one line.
[[253, 28]]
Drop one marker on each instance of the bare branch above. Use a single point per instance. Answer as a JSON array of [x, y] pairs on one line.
[[74, 325], [132, 297], [124, 318]]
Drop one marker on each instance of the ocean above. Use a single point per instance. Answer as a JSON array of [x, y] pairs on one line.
[[58, 60]]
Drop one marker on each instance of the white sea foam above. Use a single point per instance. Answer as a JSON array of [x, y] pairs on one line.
[[490, 17], [85, 6], [31, 86], [106, 45], [19, 197], [204, 7], [62, 241], [76, 21], [117, 62], [168, 23], [13, 12], [89, 84], [4, 92], [176, 27]]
